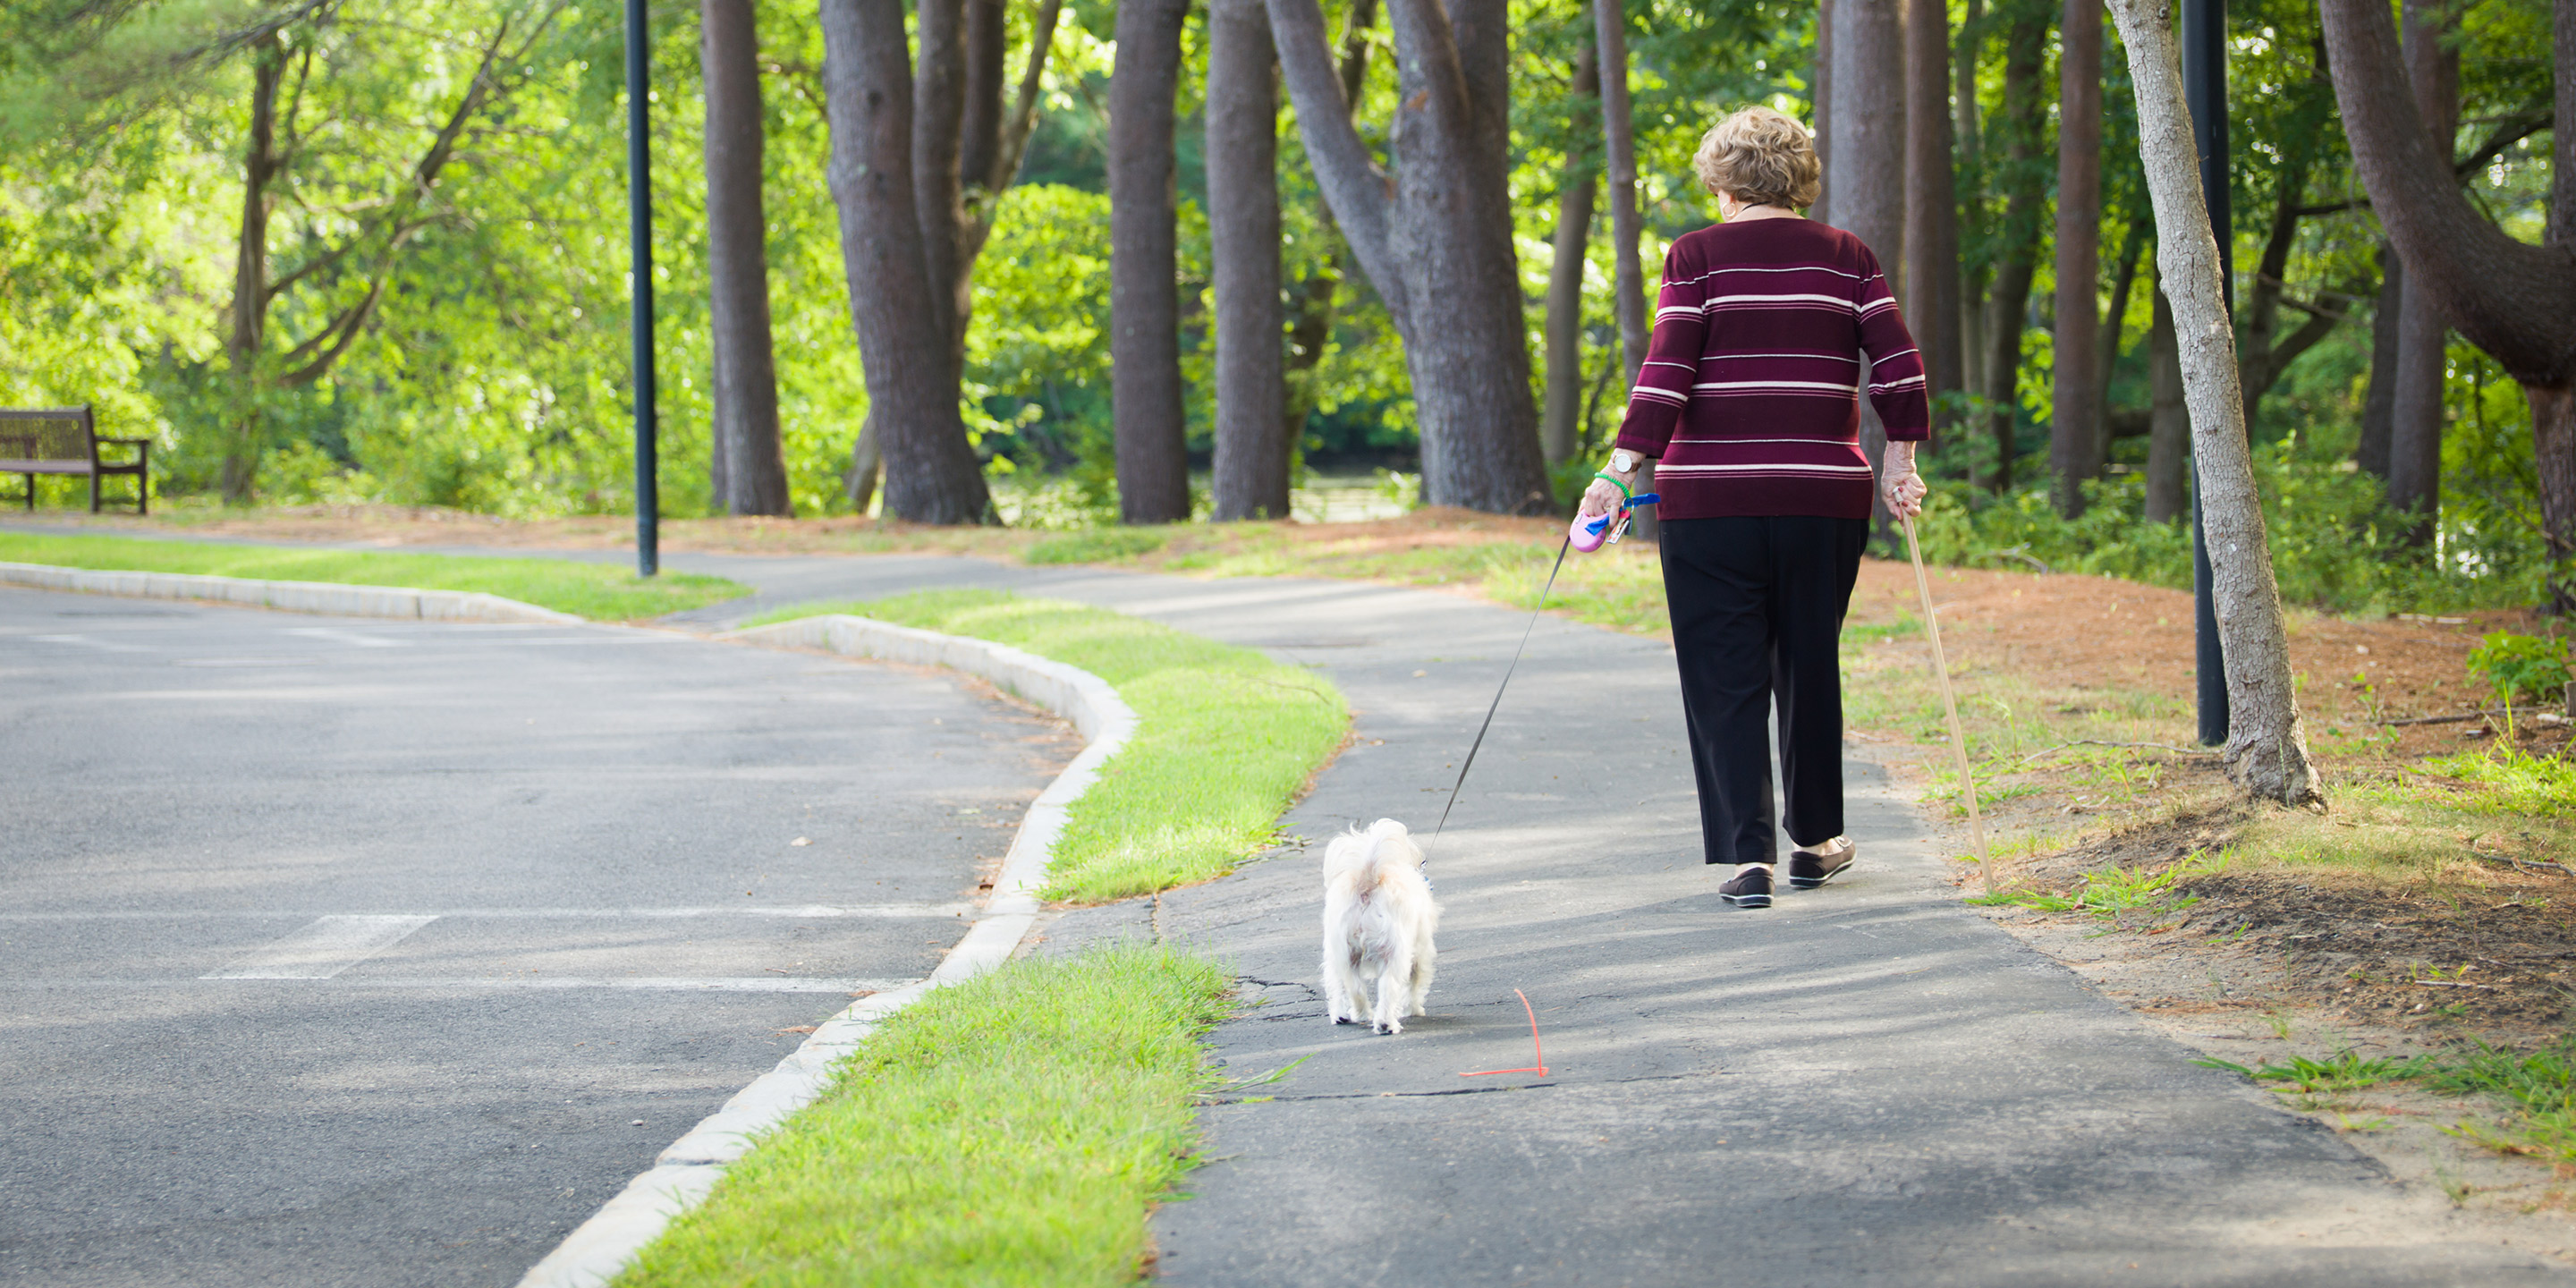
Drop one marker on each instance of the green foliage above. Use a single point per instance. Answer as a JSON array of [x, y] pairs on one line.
[[2342, 1071], [605, 592], [2334, 544], [1013, 1129], [2511, 782], [1227, 738], [2520, 668], [2108, 893]]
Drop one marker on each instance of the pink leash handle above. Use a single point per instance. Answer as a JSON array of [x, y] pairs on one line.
[[1588, 535]]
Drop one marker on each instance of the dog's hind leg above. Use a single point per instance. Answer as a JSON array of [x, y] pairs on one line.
[[1421, 983], [1394, 989]]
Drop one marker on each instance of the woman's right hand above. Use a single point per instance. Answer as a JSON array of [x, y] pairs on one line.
[[1603, 497]]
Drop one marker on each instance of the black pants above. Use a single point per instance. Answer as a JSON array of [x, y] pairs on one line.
[[1757, 608]]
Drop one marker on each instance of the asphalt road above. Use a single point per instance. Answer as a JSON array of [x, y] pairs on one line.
[[349, 952]]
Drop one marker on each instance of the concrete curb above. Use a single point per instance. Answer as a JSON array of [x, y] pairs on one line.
[[686, 1172], [292, 596]]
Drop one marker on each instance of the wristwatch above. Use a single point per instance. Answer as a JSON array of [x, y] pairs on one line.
[[1624, 461]]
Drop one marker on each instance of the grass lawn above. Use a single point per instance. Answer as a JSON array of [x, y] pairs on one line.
[[602, 592], [1013, 1129], [1226, 740]]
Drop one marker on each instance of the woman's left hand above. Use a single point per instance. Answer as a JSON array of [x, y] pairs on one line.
[[1603, 497]]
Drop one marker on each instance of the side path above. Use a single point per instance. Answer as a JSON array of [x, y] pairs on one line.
[[1866, 1083]]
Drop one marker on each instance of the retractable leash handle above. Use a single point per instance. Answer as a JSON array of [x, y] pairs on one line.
[[1590, 534]]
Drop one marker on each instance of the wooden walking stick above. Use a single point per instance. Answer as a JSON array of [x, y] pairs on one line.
[[1950, 707]]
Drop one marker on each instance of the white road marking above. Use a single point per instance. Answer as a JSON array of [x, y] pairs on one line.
[[337, 636], [323, 949], [87, 642], [815, 911], [645, 983]]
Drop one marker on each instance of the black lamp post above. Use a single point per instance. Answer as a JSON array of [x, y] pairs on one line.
[[639, 219], [2204, 87]]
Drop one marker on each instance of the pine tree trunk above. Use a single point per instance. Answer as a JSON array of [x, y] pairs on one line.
[[1573, 234], [1311, 330], [748, 463], [2379, 405], [1931, 295], [1144, 299], [1970, 314], [1821, 108], [2022, 181], [2423, 334], [1867, 166], [2266, 753], [931, 474], [248, 340], [1243, 229], [2075, 408], [2168, 422], [2553, 442]]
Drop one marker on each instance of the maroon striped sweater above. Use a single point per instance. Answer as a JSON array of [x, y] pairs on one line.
[[1750, 392]]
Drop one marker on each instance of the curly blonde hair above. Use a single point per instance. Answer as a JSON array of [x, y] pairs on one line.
[[1761, 158]]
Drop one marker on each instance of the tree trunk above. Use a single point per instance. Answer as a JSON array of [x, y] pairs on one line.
[[2075, 408], [2379, 405], [1931, 296], [931, 474], [2124, 279], [2516, 301], [1243, 230], [1311, 331], [859, 482], [1868, 161], [249, 338], [2415, 410], [748, 463], [2168, 422], [1442, 237], [1970, 314], [2266, 753], [2016, 260], [938, 176], [1821, 108], [1573, 233], [1151, 429], [1628, 278]]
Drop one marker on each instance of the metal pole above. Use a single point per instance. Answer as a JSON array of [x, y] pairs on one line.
[[639, 219], [2204, 87]]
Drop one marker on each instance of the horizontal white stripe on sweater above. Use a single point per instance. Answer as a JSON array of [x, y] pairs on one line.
[[1785, 268], [1670, 470], [1818, 442], [1802, 299], [1909, 382], [1820, 357], [1660, 395], [1774, 386]]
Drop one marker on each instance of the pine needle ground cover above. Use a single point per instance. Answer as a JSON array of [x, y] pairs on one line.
[[1013, 1129], [1227, 738], [602, 592]]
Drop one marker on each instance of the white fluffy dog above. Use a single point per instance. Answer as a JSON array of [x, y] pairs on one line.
[[1378, 919]]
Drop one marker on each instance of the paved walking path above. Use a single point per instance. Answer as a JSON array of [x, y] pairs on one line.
[[1866, 1084]]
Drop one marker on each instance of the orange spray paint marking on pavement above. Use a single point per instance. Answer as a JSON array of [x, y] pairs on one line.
[[1539, 1064]]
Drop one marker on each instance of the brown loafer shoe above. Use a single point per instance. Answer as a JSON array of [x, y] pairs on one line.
[[1751, 888], [1811, 868]]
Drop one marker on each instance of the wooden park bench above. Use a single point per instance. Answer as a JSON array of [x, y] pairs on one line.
[[64, 440]]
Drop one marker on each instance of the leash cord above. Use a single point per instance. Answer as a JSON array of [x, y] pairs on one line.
[[1470, 762]]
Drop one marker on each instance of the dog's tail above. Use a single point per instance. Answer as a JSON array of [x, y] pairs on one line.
[[1390, 845]]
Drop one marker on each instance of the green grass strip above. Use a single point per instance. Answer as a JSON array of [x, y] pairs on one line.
[[1226, 737], [1013, 1129], [602, 592]]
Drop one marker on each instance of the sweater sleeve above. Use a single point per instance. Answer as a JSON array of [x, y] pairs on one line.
[[1896, 387], [1672, 360]]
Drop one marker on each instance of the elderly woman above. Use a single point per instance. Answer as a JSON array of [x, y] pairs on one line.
[[1749, 402]]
